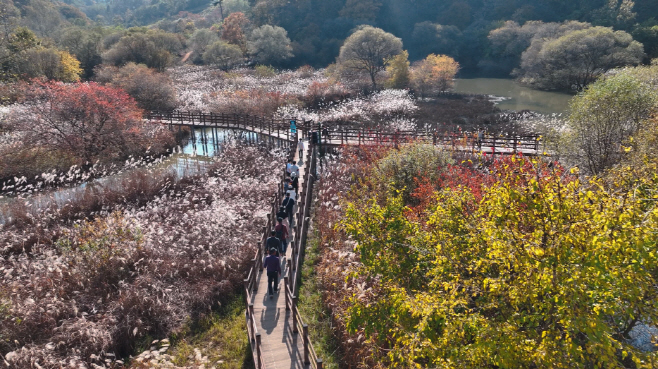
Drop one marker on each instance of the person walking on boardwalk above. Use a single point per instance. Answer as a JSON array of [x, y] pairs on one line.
[[288, 165], [273, 243], [294, 182], [282, 213], [282, 234], [289, 203], [291, 192], [273, 272], [300, 146], [294, 169]]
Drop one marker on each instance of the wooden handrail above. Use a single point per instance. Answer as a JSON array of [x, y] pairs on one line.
[[343, 133], [294, 265]]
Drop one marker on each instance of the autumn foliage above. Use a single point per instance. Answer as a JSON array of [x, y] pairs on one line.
[[86, 120], [510, 263], [434, 74], [233, 30]]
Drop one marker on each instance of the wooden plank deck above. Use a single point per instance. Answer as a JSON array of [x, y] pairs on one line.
[[281, 348]]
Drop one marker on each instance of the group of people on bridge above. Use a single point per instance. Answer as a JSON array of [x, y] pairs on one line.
[[277, 243]]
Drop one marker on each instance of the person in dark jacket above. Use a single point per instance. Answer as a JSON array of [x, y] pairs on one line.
[[282, 213], [273, 243], [273, 272], [289, 204], [294, 183]]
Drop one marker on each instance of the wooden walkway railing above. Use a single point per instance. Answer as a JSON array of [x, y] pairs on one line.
[[349, 134], [251, 281], [292, 278], [251, 286], [457, 141]]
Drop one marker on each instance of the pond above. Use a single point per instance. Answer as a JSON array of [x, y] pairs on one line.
[[508, 95]]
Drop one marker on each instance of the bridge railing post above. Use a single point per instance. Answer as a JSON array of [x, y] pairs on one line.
[[246, 289], [294, 315], [293, 254], [259, 361], [286, 289], [250, 323], [305, 333], [537, 145], [260, 258]]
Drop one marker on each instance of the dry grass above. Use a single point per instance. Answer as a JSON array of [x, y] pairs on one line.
[[145, 266]]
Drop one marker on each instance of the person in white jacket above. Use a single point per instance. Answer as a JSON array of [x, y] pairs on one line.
[[300, 146], [294, 169]]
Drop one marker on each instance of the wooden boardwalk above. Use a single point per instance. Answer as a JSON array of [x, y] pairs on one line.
[[281, 347], [279, 338]]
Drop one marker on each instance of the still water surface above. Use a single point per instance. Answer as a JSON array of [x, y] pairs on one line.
[[508, 95]]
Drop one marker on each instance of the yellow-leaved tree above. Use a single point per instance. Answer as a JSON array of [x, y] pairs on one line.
[[434, 74], [533, 270], [397, 68], [69, 69]]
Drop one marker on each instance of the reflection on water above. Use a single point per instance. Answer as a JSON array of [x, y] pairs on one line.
[[206, 141], [193, 157], [508, 95]]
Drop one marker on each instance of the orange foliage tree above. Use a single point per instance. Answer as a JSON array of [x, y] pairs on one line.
[[233, 30], [434, 74], [85, 119]]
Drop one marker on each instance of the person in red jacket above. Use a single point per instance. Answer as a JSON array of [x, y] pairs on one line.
[[282, 234]]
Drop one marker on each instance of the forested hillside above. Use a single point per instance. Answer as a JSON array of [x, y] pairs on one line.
[[458, 28], [313, 30]]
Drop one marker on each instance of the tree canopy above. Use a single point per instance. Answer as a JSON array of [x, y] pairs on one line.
[[523, 267], [223, 55], [85, 119], [269, 45], [368, 49], [607, 114], [577, 58], [434, 74]]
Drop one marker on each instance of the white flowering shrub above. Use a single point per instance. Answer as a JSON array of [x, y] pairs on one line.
[[393, 108], [304, 95], [204, 88]]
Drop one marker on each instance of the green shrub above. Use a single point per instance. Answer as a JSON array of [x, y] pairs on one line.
[[265, 71]]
